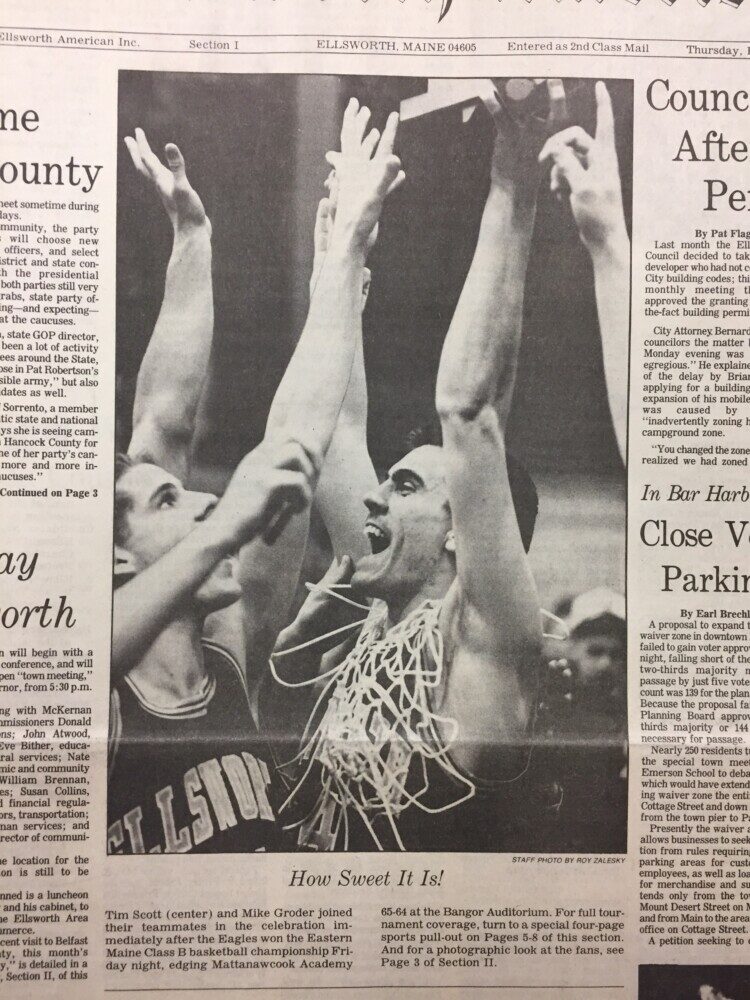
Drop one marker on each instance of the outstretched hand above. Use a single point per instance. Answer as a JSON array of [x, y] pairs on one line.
[[366, 171], [272, 483], [586, 170], [181, 202]]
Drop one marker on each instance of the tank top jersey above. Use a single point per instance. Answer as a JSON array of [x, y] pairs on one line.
[[192, 778], [376, 775]]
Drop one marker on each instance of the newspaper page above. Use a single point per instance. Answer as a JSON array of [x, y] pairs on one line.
[[373, 489]]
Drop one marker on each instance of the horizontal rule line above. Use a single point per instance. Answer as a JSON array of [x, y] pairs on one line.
[[271, 989], [327, 34], [384, 55]]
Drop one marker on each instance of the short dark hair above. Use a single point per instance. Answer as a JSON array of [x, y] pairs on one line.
[[123, 502], [522, 488], [604, 624]]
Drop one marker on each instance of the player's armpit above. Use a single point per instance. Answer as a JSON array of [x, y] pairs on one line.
[[492, 620], [489, 700]]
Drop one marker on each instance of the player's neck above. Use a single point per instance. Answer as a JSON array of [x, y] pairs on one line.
[[173, 668], [400, 608]]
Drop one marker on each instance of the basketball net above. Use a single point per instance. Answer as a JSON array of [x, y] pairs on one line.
[[377, 720]]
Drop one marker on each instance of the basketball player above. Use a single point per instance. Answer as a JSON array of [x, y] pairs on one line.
[[432, 707], [173, 371], [188, 769], [586, 172]]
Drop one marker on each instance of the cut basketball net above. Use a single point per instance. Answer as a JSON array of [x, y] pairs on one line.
[[378, 718]]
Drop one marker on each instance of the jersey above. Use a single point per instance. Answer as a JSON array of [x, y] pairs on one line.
[[194, 777], [377, 769]]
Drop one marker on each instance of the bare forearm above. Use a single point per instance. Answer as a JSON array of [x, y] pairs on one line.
[[148, 602], [306, 407], [611, 264], [479, 357], [348, 473], [269, 576], [310, 395], [174, 367]]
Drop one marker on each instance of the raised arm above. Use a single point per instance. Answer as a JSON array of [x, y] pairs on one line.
[[348, 473], [310, 395], [586, 170], [491, 617], [174, 367], [267, 484], [309, 399]]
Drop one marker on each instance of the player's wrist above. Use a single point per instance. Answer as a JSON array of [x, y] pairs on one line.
[[224, 532], [609, 243], [348, 247]]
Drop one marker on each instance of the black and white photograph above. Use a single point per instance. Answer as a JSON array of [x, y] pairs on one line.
[[370, 474], [693, 982]]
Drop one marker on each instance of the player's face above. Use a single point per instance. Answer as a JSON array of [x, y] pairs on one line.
[[408, 524], [162, 512]]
